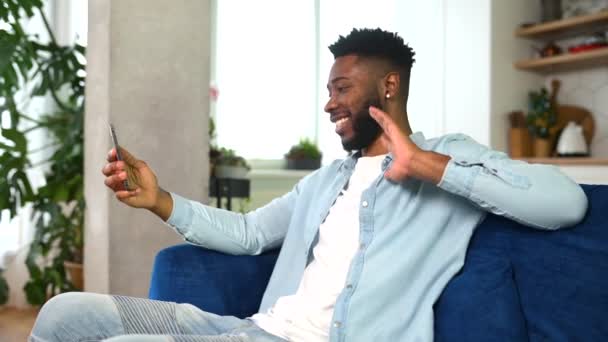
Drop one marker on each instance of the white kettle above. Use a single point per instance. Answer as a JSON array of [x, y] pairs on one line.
[[572, 141]]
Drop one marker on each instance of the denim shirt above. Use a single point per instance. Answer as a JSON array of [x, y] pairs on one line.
[[413, 234]]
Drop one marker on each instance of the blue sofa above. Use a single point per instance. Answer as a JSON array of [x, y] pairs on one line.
[[517, 284]]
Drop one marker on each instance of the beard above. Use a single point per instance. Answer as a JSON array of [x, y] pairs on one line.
[[365, 129]]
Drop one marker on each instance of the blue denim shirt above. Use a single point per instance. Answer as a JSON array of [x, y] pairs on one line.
[[413, 234]]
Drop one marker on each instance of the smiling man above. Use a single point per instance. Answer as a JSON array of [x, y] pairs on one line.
[[368, 242]]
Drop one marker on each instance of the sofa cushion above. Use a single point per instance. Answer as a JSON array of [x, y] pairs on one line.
[[481, 303], [562, 276], [215, 282]]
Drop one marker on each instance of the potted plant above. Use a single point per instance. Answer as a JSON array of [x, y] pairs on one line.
[[304, 156], [541, 117], [30, 68], [230, 165]]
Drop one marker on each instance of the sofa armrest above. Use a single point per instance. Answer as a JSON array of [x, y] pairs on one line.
[[213, 281]]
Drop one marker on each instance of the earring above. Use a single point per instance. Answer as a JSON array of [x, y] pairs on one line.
[[388, 96]]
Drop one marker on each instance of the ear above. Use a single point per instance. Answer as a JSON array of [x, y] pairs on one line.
[[391, 84]]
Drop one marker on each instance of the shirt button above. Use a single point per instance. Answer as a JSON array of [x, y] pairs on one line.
[[364, 204], [349, 286], [361, 246], [337, 324]]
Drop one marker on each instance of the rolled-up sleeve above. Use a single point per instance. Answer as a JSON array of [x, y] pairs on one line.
[[536, 195], [230, 232]]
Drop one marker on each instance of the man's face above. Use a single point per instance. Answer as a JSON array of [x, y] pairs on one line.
[[352, 90]]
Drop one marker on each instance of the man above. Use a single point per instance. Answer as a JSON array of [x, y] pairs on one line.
[[368, 242]]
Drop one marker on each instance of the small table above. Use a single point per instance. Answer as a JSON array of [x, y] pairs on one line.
[[229, 188]]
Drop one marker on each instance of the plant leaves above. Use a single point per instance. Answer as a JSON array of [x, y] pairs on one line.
[[8, 45], [17, 137], [27, 63]]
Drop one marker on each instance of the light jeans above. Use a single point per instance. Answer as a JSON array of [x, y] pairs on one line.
[[77, 316]]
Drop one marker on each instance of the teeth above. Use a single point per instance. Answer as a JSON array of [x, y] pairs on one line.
[[340, 122]]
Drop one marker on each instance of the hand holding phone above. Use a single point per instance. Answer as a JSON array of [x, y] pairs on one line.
[[117, 148]]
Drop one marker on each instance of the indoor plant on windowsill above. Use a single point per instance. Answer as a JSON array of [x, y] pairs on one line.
[[304, 156], [230, 165]]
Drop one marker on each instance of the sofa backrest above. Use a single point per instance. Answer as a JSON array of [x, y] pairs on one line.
[[521, 284]]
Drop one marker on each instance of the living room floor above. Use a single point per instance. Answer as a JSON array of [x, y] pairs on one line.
[[15, 325]]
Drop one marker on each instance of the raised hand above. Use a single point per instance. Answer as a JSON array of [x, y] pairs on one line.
[[409, 160], [143, 189]]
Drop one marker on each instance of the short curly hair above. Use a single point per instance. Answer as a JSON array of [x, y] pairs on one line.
[[375, 43]]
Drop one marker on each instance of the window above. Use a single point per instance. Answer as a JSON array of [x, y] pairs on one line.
[[272, 63], [265, 75]]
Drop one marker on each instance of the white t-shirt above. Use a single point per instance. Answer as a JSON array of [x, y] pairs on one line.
[[306, 315]]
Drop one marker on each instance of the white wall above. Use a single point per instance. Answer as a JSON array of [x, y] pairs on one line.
[[509, 86], [467, 68]]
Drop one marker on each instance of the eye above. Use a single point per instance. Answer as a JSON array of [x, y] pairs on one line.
[[342, 89]]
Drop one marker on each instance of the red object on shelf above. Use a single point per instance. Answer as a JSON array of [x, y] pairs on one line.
[[586, 47]]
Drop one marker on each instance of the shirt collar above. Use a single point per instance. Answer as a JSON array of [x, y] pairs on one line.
[[349, 163]]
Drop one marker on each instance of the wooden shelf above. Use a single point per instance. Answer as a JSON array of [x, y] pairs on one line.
[[568, 161], [565, 61], [560, 29]]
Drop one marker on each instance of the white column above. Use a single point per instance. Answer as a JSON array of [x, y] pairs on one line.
[[148, 73]]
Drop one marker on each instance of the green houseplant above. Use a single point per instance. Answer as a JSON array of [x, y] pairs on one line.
[[35, 68], [541, 117], [304, 156]]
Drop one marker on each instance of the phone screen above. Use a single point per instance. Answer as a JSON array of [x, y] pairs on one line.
[[117, 148]]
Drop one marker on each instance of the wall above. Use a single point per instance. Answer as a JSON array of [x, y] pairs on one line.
[[509, 86], [148, 73], [467, 68]]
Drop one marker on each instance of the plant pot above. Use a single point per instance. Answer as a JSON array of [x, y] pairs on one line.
[[75, 275], [234, 172], [520, 144], [303, 164], [542, 147]]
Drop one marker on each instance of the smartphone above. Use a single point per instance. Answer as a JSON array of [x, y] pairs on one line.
[[117, 148]]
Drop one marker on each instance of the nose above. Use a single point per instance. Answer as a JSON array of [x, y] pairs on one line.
[[330, 105]]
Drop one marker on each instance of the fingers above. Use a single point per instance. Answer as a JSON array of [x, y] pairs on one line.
[[111, 155], [113, 167], [124, 194], [116, 181], [128, 157], [395, 173], [385, 141], [383, 119], [378, 115]]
